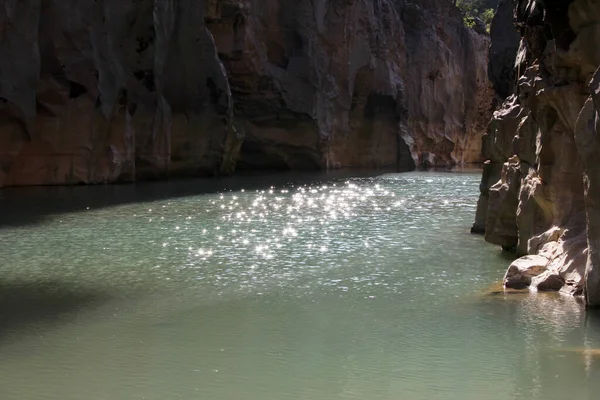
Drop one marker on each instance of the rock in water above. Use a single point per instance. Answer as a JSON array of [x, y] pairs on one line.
[[109, 91], [522, 270], [545, 141]]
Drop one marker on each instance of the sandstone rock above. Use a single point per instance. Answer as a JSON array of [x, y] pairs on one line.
[[497, 145], [522, 270], [501, 227], [110, 91], [491, 173], [546, 134], [107, 91], [588, 141], [512, 131], [558, 265], [503, 50], [548, 282], [566, 250]]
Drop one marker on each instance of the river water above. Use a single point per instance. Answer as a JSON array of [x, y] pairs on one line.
[[278, 287]]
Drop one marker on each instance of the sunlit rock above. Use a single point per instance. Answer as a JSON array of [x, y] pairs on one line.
[[544, 203], [522, 270]]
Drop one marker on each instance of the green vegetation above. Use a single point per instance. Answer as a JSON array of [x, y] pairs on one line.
[[482, 9]]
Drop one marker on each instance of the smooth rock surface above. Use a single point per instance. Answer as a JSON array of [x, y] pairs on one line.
[[107, 91], [522, 270]]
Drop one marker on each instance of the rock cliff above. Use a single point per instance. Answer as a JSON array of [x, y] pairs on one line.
[[540, 188], [108, 91]]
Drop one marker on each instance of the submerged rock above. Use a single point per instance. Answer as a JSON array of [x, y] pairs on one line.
[[545, 136], [584, 351], [102, 91]]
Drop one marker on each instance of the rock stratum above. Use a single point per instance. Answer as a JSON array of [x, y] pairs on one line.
[[114, 91], [541, 182]]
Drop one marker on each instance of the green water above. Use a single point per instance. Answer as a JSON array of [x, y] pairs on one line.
[[273, 288]]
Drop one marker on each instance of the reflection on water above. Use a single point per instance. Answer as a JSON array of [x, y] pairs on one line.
[[350, 288]]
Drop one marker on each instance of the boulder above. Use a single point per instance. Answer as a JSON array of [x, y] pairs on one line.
[[521, 272]]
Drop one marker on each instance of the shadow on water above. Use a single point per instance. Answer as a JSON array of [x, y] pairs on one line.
[[30, 205], [26, 305], [592, 319]]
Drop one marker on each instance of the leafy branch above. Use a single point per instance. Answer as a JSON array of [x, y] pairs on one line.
[[472, 10]]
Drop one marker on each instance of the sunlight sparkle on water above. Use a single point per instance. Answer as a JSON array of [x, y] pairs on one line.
[[365, 289]]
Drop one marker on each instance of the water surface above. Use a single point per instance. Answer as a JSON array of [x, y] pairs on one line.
[[274, 288]]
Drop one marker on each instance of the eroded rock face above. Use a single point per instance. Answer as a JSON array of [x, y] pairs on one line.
[[503, 50], [588, 140], [108, 91], [545, 137]]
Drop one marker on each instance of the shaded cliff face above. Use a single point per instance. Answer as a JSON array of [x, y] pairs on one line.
[[111, 91], [539, 192]]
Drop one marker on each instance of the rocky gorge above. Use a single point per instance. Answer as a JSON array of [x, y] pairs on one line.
[[118, 91], [539, 191]]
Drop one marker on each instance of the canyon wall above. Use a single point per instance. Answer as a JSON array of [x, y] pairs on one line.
[[540, 188], [109, 91]]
